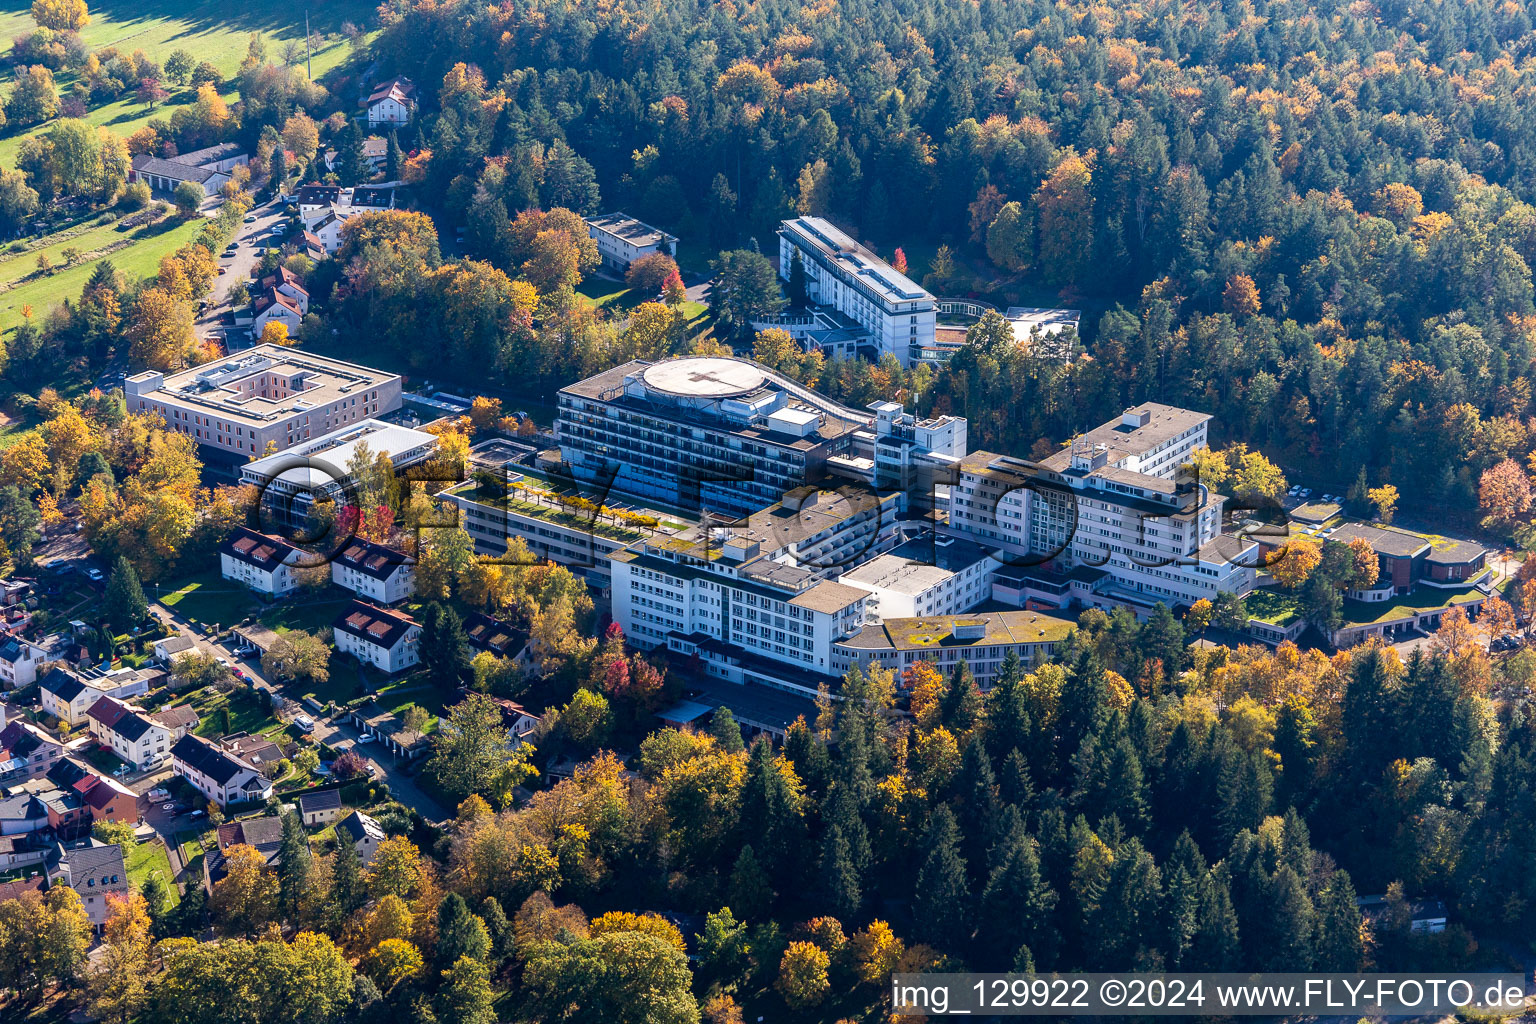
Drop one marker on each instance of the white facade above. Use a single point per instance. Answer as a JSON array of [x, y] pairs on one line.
[[19, 661], [68, 697], [842, 274], [384, 639], [277, 310], [1112, 502], [217, 774], [274, 581], [621, 239], [391, 103], [380, 577], [944, 577], [290, 480], [264, 395], [130, 734]]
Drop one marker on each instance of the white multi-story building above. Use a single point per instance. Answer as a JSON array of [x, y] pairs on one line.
[[725, 434], [374, 571], [1113, 501], [130, 733], [392, 103], [217, 774], [757, 601], [265, 395], [382, 638], [263, 563], [839, 272], [926, 576], [621, 239], [289, 482], [19, 661]]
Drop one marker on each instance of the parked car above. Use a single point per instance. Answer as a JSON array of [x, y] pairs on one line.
[[121, 770], [195, 815], [95, 575], [1306, 492], [156, 795], [305, 723]]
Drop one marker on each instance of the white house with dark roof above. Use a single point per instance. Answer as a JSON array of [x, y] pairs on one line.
[[320, 807], [365, 833], [166, 175], [392, 102], [385, 639], [68, 697], [19, 662], [93, 869], [217, 774], [130, 733], [374, 571], [263, 563]]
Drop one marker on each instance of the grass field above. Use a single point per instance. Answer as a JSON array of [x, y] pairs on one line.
[[146, 859], [209, 598], [308, 612]]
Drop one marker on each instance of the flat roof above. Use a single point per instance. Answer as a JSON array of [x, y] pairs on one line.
[[917, 565], [336, 451], [1163, 424], [853, 259], [633, 231], [938, 631], [226, 387], [704, 377]]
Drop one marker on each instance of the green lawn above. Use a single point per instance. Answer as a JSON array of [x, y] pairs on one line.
[[247, 713], [146, 859], [617, 298], [307, 611], [1422, 599], [1277, 607], [346, 682], [208, 598], [135, 262], [413, 689]]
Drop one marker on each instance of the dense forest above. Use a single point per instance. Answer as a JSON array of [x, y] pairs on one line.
[[1309, 219]]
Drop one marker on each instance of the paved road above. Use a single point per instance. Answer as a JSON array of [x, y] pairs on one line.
[[336, 734], [238, 268]]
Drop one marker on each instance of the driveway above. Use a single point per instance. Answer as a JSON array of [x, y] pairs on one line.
[[336, 734], [248, 252]]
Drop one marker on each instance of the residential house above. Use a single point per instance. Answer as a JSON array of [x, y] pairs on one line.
[[68, 800], [520, 722], [93, 869], [263, 563], [286, 282], [168, 649], [18, 852], [320, 807], [264, 835], [67, 696], [25, 750], [377, 636], [217, 774], [257, 751], [327, 230], [168, 175], [272, 306], [179, 720], [21, 812], [312, 200], [392, 103], [365, 834], [374, 571], [130, 733], [491, 634], [19, 662]]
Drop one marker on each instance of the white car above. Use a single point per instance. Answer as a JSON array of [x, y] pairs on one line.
[[96, 575], [121, 770], [305, 723], [1306, 492], [154, 796]]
